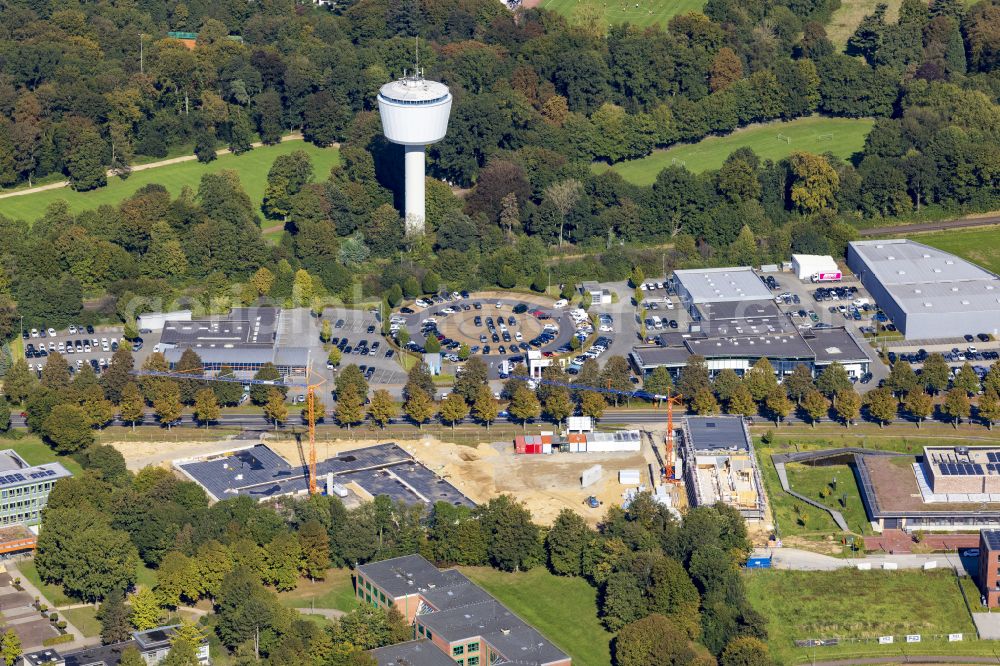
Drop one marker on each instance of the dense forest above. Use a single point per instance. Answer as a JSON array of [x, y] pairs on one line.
[[537, 100]]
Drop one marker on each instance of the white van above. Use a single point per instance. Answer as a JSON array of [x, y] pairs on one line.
[[561, 303]]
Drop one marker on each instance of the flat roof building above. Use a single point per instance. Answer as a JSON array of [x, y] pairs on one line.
[[989, 567], [259, 472], [153, 646], [713, 285], [720, 465], [245, 341], [24, 488], [739, 347], [926, 292], [451, 614]]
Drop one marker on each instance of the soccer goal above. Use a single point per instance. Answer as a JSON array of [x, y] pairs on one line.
[[782, 137]]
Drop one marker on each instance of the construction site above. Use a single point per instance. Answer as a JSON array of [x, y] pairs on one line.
[[720, 465]]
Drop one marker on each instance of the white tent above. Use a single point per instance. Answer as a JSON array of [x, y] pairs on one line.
[[807, 265]]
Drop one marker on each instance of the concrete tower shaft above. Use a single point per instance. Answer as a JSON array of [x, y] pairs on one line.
[[414, 113]]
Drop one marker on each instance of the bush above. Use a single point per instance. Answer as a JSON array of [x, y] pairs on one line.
[[54, 617], [61, 624], [56, 640]]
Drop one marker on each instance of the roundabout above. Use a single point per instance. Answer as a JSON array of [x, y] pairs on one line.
[[495, 326]]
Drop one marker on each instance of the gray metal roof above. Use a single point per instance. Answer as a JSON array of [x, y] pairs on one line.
[[411, 653], [712, 285], [717, 433], [925, 280], [790, 346], [651, 356]]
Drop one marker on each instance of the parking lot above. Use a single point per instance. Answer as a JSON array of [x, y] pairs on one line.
[[466, 318], [78, 345], [357, 334]]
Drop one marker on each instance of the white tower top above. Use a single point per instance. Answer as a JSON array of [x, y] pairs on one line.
[[414, 110], [414, 113]]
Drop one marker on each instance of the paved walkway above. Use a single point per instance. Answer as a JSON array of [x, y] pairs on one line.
[[898, 541], [910, 659], [960, 223], [79, 640], [804, 560], [295, 136]]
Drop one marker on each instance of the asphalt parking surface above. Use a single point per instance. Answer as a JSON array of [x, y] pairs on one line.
[[96, 353], [493, 360], [355, 329]]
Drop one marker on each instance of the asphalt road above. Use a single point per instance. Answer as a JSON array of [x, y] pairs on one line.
[[960, 223], [638, 417]]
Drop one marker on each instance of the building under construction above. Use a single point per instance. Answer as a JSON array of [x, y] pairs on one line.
[[720, 465]]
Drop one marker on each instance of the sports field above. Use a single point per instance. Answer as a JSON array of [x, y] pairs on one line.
[[636, 12], [816, 134], [980, 246], [252, 167], [857, 607]]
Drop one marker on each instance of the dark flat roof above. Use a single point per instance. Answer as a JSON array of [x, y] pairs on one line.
[[412, 653], [714, 433], [464, 611], [508, 634], [409, 574], [833, 344], [384, 469]]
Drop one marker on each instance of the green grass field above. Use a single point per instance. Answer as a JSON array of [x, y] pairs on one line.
[[841, 136], [636, 12], [36, 452], [851, 604], [980, 246], [84, 619], [796, 518], [563, 609], [252, 167], [337, 591]]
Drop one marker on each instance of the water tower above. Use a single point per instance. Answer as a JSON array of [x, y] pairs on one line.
[[414, 113]]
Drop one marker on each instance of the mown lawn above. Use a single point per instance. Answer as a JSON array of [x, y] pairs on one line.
[[841, 136], [337, 591], [852, 604], [796, 518], [980, 246], [563, 609], [36, 452], [641, 13], [84, 619], [252, 167]]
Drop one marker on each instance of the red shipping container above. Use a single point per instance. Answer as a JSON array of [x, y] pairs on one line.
[[519, 444], [533, 448]]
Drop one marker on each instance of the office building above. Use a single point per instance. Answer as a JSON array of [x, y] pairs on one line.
[[24, 488], [245, 341], [449, 612], [153, 646]]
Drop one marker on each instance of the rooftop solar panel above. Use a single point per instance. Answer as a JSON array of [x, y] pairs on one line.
[[978, 469], [992, 538]]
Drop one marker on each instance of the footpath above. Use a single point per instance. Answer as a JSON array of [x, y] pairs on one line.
[[294, 136]]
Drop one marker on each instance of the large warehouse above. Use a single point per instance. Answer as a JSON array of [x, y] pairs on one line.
[[927, 293]]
